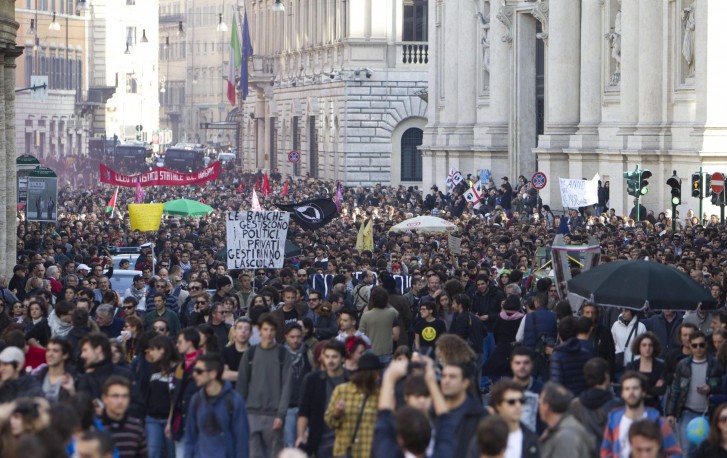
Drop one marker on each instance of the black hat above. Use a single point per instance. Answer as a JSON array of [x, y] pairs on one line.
[[138, 277], [505, 178], [369, 362]]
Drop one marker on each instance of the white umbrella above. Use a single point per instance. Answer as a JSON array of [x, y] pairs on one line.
[[424, 224]]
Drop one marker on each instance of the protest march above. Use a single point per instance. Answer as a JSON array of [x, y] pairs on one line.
[[238, 313]]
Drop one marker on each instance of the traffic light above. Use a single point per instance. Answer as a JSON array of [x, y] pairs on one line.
[[631, 183], [643, 184], [676, 189], [707, 183], [715, 198], [697, 185], [636, 182]]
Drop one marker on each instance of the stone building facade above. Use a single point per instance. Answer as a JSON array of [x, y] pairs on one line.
[[341, 82], [578, 87]]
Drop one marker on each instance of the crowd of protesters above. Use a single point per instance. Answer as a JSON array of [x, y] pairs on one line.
[[406, 349]]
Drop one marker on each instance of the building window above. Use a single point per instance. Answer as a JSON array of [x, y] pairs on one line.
[[313, 142], [415, 20], [411, 155], [296, 144], [131, 86], [273, 145]]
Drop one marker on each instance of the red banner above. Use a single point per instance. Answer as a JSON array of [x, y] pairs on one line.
[[160, 177]]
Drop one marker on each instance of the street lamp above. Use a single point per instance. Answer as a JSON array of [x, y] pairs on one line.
[[180, 29], [221, 26], [144, 39], [54, 25], [278, 6]]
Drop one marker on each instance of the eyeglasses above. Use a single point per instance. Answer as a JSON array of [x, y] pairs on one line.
[[699, 345], [514, 401], [131, 307], [201, 302], [200, 371]]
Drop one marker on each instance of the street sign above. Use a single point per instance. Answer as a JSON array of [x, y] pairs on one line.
[[24, 165], [717, 182], [39, 83], [42, 197], [539, 180], [294, 157]]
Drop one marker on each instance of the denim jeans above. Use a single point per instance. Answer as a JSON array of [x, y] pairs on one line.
[[688, 448], [291, 427], [159, 445]]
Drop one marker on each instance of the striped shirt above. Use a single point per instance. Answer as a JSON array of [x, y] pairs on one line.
[[129, 436]]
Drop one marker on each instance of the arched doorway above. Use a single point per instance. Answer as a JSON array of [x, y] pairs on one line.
[[411, 155], [406, 155]]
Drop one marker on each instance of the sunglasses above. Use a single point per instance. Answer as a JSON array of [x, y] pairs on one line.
[[199, 371], [514, 401], [699, 345], [194, 288], [131, 307], [723, 419]]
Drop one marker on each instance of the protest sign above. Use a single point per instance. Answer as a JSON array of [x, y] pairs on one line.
[[579, 193], [256, 239], [145, 217], [455, 244], [159, 176]]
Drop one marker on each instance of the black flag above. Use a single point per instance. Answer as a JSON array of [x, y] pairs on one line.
[[311, 214]]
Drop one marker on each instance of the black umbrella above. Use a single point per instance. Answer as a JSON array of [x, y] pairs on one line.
[[640, 285]]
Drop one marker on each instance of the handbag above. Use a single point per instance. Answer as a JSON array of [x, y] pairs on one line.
[[349, 449], [619, 357]]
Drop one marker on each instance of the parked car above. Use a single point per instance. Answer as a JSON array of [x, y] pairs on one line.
[[122, 280]]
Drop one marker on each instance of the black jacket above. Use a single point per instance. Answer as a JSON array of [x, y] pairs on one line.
[[24, 386], [471, 329], [488, 304], [566, 365], [93, 382], [466, 429], [312, 405]]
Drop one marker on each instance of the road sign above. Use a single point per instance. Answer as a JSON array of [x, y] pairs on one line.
[[42, 196], [717, 183], [39, 85], [539, 180], [294, 157]]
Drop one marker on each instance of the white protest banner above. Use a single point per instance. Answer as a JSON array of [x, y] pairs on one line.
[[455, 244], [256, 239], [579, 193]]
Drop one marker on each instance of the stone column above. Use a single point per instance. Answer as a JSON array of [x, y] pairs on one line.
[[629, 67], [11, 209], [590, 82], [500, 56], [563, 67], [7, 132], [651, 70]]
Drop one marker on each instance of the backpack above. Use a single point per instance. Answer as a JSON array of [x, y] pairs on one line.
[[229, 402], [361, 295], [281, 359]]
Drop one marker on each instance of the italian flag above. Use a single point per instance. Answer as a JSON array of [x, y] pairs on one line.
[[112, 203], [234, 61]]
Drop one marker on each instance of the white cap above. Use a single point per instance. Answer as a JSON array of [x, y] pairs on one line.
[[83, 267], [13, 355]]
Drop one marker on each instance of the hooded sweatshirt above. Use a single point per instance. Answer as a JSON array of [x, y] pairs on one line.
[[218, 426], [591, 408]]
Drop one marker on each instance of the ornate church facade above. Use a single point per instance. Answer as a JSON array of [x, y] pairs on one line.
[[578, 87]]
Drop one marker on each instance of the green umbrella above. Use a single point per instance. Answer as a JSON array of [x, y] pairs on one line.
[[186, 207]]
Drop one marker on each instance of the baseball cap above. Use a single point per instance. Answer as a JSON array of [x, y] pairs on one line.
[[12, 355], [83, 267], [138, 277]]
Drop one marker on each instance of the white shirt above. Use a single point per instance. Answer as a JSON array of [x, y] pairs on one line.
[[514, 444], [623, 435]]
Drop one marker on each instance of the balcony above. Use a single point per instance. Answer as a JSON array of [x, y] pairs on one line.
[[413, 53], [263, 68]]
